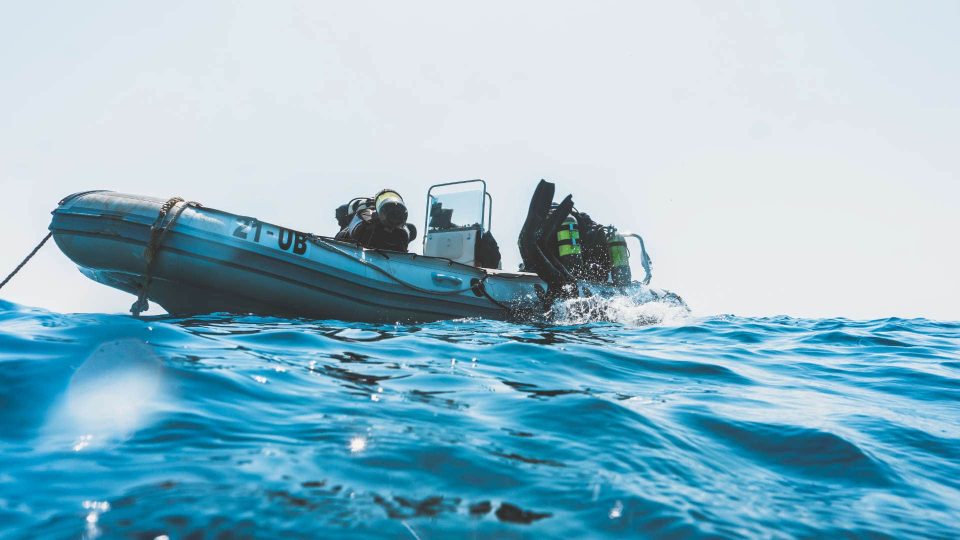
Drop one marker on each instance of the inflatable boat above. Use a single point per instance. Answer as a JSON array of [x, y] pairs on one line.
[[191, 259]]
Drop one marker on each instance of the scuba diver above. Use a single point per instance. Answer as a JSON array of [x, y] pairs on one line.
[[379, 222], [565, 247]]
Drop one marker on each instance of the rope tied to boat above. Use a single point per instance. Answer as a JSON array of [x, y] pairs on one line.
[[157, 232], [27, 259]]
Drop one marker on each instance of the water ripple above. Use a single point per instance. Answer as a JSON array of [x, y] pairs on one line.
[[243, 426]]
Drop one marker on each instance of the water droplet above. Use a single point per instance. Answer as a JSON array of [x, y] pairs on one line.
[[99, 506], [82, 442], [617, 510]]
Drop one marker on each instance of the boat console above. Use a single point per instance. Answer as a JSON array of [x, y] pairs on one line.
[[458, 213]]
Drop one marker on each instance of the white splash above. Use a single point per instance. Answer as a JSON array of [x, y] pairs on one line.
[[616, 511], [640, 306]]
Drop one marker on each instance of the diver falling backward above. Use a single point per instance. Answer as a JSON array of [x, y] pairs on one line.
[[565, 248]]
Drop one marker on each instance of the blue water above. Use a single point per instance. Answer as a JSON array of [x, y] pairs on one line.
[[723, 427]]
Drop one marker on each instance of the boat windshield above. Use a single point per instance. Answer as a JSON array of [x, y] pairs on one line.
[[458, 205]]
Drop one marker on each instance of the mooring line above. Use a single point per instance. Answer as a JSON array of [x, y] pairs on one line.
[[25, 261]]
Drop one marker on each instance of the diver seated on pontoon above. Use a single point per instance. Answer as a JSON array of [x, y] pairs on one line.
[[564, 247], [379, 222]]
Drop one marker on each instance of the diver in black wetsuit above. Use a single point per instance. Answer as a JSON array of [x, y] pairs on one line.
[[564, 246], [377, 223]]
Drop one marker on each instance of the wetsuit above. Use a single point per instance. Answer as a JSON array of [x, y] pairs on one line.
[[367, 230]]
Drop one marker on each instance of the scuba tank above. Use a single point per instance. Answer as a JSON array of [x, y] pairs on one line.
[[568, 245], [390, 208], [619, 258], [388, 205], [345, 212]]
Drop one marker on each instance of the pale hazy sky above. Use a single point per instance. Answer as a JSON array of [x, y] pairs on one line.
[[794, 158]]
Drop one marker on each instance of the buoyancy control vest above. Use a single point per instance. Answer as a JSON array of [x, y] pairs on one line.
[[595, 250], [588, 251]]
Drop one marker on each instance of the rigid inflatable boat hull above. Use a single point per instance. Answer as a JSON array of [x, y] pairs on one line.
[[213, 261]]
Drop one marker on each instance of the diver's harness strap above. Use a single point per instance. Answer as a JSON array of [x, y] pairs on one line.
[[157, 232]]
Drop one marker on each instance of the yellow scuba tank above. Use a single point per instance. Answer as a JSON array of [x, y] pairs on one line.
[[568, 244], [619, 258], [390, 208]]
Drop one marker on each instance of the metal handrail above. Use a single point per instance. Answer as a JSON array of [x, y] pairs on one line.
[[489, 210], [644, 258]]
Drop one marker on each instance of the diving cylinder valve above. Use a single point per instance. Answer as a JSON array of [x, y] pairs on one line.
[[568, 244], [619, 258]]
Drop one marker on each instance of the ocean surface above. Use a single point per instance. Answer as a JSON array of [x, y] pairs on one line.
[[662, 424]]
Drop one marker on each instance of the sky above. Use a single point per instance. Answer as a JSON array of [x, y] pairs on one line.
[[795, 158]]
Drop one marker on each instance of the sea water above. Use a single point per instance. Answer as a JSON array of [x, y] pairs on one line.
[[658, 424]]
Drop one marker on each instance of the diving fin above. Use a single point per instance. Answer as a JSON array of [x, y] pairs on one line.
[[532, 242]]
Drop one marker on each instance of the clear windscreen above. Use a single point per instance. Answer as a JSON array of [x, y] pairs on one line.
[[456, 206]]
